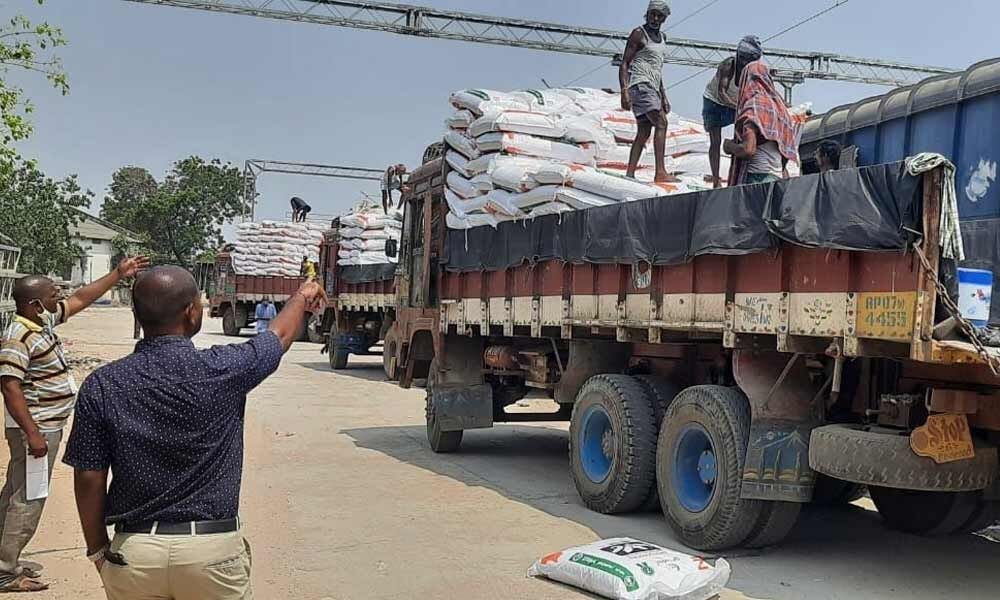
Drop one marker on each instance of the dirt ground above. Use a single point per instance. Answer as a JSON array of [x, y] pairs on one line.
[[344, 501]]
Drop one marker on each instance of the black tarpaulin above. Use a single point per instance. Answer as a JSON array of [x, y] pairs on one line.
[[855, 209], [366, 273]]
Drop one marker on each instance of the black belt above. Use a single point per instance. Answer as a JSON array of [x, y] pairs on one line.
[[186, 528]]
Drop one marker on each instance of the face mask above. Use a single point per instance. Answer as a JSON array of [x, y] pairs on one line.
[[42, 311]]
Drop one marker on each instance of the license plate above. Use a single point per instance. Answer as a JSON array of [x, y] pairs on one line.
[[944, 438]]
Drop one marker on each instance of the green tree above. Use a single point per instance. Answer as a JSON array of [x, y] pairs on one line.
[[182, 216], [28, 48], [37, 212]]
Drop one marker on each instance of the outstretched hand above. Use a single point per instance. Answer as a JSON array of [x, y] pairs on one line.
[[130, 267], [314, 296]]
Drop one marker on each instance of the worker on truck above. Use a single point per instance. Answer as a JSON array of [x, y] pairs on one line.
[[643, 92], [827, 156], [392, 179], [718, 111], [766, 132], [300, 210]]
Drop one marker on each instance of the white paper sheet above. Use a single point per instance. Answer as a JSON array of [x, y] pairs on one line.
[[37, 477]]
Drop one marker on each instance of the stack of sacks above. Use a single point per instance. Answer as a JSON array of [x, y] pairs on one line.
[[363, 235], [525, 154], [275, 248]]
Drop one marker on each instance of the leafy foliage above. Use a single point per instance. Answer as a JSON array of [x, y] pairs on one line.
[[182, 216], [36, 212], [26, 47]]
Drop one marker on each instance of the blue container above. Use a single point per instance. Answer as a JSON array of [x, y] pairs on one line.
[[957, 115]]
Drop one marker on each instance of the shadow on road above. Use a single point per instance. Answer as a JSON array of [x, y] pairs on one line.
[[366, 371], [833, 552]]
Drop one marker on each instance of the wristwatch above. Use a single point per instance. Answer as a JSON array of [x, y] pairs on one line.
[[96, 556]]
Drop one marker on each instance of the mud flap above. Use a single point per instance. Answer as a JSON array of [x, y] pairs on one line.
[[777, 462], [466, 407]]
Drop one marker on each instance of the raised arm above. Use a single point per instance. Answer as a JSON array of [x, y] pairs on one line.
[[635, 42], [288, 323], [89, 294]]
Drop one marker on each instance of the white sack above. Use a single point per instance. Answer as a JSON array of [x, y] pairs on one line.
[[627, 569], [458, 162], [518, 144], [462, 186], [460, 120], [517, 122], [481, 101], [461, 144]]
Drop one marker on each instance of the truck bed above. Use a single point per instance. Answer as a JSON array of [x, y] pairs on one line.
[[749, 289]]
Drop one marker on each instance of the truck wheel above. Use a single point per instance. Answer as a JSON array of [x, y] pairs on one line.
[[835, 492], [661, 392], [699, 461], [338, 358], [442, 442], [878, 456], [229, 326], [612, 444], [389, 349], [776, 521], [925, 513]]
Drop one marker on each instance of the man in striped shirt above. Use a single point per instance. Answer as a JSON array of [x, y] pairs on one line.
[[39, 394]]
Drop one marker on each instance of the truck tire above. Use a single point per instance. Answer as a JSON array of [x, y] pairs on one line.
[[389, 349], [877, 456], [442, 442], [835, 492], [926, 513], [699, 463], [612, 444], [776, 521], [338, 358], [661, 392], [229, 326]]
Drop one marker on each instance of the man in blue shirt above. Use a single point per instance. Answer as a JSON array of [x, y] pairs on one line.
[[263, 315], [167, 421]]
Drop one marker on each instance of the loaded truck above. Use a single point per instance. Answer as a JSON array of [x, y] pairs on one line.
[[234, 298], [361, 305], [724, 356]]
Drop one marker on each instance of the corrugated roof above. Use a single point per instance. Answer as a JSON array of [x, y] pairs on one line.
[[96, 228]]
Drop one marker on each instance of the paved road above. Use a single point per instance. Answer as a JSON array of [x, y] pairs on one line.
[[345, 501]]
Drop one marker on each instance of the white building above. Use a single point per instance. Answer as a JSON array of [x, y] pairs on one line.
[[94, 235]]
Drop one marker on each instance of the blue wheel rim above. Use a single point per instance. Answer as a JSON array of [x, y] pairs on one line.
[[695, 469], [595, 443]]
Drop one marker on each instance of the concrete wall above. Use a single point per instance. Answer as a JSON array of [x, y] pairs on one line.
[[95, 264]]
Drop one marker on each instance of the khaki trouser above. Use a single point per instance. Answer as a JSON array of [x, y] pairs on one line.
[[19, 516], [179, 567]]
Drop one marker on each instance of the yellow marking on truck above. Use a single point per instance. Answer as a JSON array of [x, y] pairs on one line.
[[886, 315]]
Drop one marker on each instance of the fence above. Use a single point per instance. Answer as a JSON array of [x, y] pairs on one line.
[[9, 257]]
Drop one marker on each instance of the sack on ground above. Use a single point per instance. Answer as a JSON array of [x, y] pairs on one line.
[[628, 569]]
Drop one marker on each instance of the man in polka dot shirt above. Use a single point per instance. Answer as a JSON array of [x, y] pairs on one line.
[[167, 421]]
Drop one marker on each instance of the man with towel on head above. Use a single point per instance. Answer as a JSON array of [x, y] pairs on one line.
[[641, 79], [765, 130]]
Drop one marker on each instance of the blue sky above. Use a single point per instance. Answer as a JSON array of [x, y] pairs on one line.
[[154, 84]]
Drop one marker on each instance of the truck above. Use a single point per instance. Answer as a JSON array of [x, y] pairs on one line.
[[360, 306], [234, 297], [723, 356]]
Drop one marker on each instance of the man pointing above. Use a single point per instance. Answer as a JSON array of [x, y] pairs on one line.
[[167, 421], [39, 394]]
